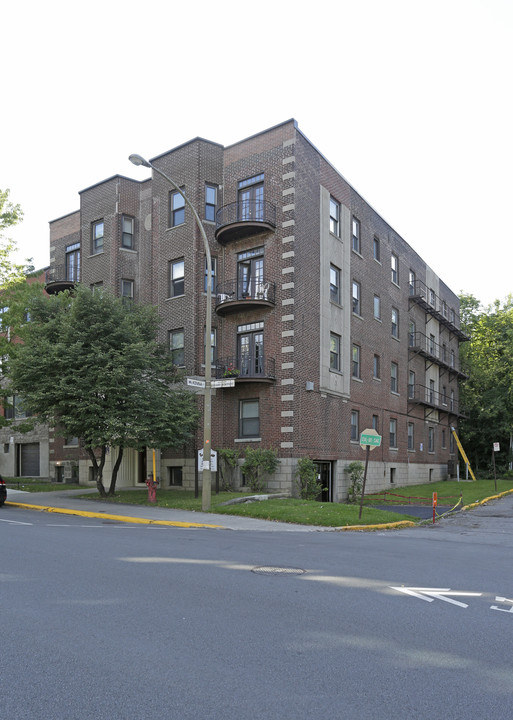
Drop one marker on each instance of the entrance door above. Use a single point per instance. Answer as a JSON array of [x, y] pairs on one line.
[[251, 274], [28, 460], [324, 476], [141, 470]]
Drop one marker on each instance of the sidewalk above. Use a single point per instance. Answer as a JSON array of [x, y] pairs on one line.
[[67, 502]]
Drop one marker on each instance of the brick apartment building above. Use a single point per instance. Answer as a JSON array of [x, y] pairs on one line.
[[330, 322]]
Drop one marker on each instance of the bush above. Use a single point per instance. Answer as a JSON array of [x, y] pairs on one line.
[[227, 467], [355, 471], [259, 462], [306, 479]]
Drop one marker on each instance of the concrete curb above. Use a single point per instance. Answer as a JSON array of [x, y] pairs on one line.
[[120, 518]]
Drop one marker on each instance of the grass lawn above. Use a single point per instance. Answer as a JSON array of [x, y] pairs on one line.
[[472, 492], [35, 486], [302, 512]]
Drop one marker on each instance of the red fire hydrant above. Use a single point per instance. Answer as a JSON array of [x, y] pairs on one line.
[[152, 488]]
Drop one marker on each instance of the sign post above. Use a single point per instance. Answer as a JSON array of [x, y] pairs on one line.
[[496, 448], [435, 501], [369, 439]]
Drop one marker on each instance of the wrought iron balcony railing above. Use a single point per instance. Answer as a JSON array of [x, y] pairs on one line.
[[246, 368], [259, 290], [244, 218]]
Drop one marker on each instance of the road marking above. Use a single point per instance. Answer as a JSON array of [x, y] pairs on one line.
[[14, 522], [435, 593], [502, 600]]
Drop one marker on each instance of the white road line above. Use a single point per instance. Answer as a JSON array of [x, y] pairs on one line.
[[15, 522]]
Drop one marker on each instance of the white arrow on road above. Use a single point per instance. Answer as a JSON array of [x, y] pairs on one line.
[[502, 600], [431, 594]]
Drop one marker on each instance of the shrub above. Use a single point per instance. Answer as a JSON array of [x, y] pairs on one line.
[[307, 483], [257, 463], [227, 467], [355, 471]]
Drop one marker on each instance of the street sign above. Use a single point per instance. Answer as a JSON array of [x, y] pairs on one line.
[[230, 382], [205, 465], [195, 383], [370, 438], [496, 447]]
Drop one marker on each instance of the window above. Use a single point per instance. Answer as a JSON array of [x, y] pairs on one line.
[[377, 249], [377, 307], [411, 282], [96, 287], [431, 440], [251, 198], [394, 264], [334, 351], [175, 475], [127, 289], [250, 274], [15, 408], [250, 349], [411, 384], [394, 374], [334, 217], [356, 235], [444, 442], [411, 441], [97, 231], [395, 322], [355, 420], [452, 400], [210, 202], [377, 367], [176, 278], [432, 297], [249, 418], [444, 353], [334, 284], [356, 298], [214, 273], [393, 433], [375, 423], [213, 345], [451, 444], [432, 392], [452, 358], [432, 343], [452, 316], [176, 209], [127, 232], [444, 397], [71, 441], [177, 347], [73, 262], [411, 334], [356, 361]]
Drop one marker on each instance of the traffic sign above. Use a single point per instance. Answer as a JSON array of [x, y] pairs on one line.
[[230, 382], [370, 438], [195, 383]]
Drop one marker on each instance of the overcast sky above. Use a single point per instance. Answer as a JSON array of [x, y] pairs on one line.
[[410, 101]]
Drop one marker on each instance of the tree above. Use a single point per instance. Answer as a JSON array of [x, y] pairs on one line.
[[487, 396], [307, 482], [89, 364], [10, 215]]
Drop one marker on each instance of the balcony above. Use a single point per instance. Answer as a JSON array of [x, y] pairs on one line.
[[57, 280], [420, 344], [243, 219], [237, 295], [428, 397], [247, 369], [431, 303]]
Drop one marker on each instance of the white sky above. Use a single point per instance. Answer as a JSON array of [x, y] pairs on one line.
[[411, 101]]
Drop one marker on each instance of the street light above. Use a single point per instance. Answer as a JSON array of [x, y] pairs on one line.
[[207, 414]]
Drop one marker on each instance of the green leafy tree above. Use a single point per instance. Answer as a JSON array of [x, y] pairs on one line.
[[10, 215], [487, 395], [89, 364]]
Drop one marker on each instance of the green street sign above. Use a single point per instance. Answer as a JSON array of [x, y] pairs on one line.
[[370, 438]]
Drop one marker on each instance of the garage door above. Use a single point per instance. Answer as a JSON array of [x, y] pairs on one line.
[[29, 460]]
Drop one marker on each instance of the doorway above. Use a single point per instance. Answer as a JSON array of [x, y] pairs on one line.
[[325, 477]]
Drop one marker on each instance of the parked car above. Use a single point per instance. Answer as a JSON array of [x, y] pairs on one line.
[[3, 491]]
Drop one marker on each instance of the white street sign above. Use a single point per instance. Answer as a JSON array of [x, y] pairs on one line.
[[496, 447], [435, 594], [195, 383], [223, 383], [205, 465]]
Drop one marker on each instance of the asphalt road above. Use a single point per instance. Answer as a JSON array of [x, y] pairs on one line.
[[102, 619]]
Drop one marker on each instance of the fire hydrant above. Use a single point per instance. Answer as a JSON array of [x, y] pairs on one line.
[[152, 488]]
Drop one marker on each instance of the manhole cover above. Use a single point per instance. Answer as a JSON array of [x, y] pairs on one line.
[[267, 570]]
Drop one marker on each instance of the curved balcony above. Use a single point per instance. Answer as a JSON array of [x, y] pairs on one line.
[[238, 295], [57, 280], [243, 219], [247, 369]]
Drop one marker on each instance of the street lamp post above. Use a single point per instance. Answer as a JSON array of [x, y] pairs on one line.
[[207, 414]]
